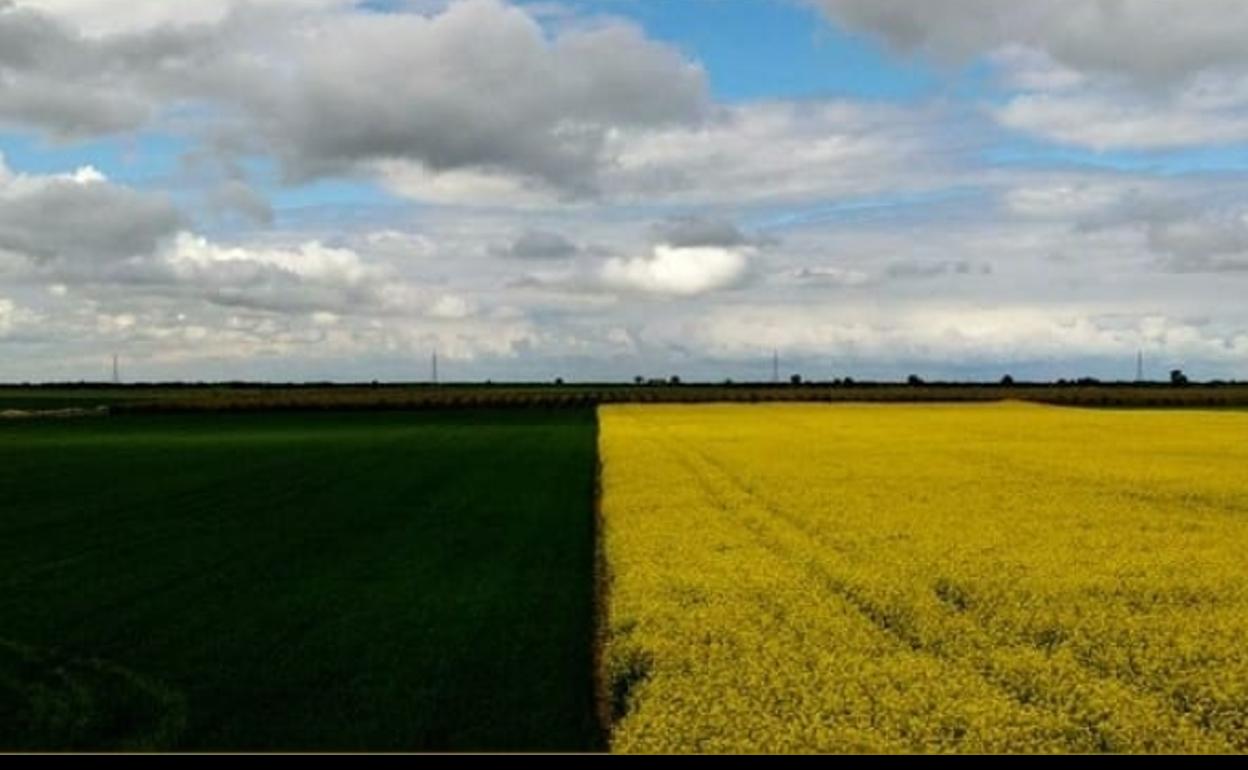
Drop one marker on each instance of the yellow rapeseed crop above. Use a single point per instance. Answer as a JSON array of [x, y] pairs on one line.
[[1004, 578]]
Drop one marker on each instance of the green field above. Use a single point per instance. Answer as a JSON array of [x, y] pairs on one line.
[[313, 582]]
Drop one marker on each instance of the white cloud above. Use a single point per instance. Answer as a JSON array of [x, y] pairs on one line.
[[451, 307], [1028, 69], [1071, 200], [101, 17], [8, 314], [937, 335], [679, 271], [1122, 75], [755, 153], [777, 152], [191, 255], [1104, 120]]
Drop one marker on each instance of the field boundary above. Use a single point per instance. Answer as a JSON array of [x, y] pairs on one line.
[[155, 399], [602, 603]]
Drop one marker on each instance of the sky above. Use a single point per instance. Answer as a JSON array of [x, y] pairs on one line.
[[602, 189]]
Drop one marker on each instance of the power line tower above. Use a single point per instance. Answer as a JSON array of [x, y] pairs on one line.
[[435, 367], [116, 370], [775, 367], [1139, 367]]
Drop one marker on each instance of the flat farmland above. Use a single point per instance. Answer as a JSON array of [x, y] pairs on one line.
[[985, 578], [393, 581]]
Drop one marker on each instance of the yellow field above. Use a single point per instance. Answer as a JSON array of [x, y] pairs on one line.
[[928, 578]]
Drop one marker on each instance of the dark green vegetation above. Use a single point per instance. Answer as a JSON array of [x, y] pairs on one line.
[[286, 581], [49, 399]]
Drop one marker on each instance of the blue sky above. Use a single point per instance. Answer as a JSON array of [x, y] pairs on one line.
[[602, 188]]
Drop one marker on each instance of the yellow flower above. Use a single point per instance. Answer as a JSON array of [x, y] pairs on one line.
[[994, 578]]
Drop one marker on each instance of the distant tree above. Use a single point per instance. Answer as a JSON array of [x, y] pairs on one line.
[[848, 381], [674, 380], [1007, 381], [1177, 377], [795, 379], [914, 379], [559, 381], [639, 380]]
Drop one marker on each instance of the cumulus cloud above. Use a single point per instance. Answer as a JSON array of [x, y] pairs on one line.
[[71, 85], [473, 103], [312, 260], [477, 88], [80, 230], [679, 271], [772, 152], [80, 217]]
